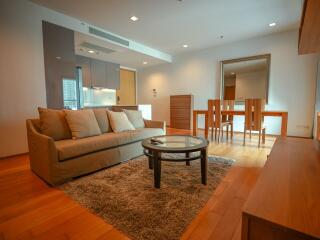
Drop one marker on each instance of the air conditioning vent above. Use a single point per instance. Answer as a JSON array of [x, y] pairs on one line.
[[108, 36], [96, 47]]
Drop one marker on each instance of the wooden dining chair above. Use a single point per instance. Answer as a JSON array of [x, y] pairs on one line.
[[253, 118], [216, 121], [228, 105]]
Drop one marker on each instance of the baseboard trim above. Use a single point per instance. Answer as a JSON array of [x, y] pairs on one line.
[[270, 135], [14, 155]]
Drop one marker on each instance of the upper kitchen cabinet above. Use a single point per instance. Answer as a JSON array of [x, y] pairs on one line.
[[98, 74], [105, 74], [113, 75], [85, 64]]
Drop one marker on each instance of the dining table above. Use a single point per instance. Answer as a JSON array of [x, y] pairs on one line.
[[269, 113]]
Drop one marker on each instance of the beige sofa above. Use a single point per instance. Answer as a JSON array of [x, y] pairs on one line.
[[59, 161]]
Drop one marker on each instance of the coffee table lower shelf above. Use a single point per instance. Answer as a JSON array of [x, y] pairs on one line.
[[155, 160]]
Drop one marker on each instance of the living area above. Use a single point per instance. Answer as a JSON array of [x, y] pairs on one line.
[[160, 119]]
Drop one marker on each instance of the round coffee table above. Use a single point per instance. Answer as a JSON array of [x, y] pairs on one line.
[[175, 144]]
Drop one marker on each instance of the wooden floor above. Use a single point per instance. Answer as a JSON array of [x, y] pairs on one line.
[[29, 209]]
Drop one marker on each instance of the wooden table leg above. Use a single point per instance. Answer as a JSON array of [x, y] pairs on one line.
[[156, 169], [284, 124], [150, 160], [204, 163], [206, 125], [195, 123], [187, 156]]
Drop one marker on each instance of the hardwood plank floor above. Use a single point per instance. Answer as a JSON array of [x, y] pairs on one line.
[[30, 209]]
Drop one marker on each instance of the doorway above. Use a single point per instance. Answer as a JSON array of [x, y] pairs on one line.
[[126, 95]]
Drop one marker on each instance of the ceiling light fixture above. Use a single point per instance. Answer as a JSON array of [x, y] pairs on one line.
[[134, 18], [91, 51], [272, 24], [185, 45], [145, 63]]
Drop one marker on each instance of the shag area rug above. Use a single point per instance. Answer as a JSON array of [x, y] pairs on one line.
[[125, 197]]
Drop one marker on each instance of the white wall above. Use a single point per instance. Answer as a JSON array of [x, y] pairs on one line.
[[22, 80], [292, 80], [22, 86], [251, 85]]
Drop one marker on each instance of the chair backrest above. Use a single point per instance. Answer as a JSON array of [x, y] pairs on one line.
[[253, 114], [227, 105], [214, 112]]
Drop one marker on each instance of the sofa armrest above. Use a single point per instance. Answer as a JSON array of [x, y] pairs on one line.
[[155, 124], [42, 151]]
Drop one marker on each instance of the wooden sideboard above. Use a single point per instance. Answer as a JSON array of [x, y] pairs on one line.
[[318, 126], [181, 107], [285, 202]]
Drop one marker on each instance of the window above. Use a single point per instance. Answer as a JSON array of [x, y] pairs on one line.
[[70, 94]]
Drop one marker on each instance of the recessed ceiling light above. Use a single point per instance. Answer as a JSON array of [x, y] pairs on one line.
[[91, 51], [185, 45], [272, 24], [145, 63], [134, 18]]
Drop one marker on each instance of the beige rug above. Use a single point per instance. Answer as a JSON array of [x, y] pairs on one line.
[[124, 196]]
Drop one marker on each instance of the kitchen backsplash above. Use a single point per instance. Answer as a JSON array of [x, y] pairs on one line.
[[99, 97]]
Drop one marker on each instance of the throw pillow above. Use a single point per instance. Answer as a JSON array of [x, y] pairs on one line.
[[102, 119], [119, 121], [53, 124], [135, 117], [82, 123]]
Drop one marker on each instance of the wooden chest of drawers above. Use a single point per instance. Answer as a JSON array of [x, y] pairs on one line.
[[181, 107]]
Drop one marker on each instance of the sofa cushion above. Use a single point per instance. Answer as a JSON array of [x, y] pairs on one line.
[[82, 123], [138, 135], [119, 121], [135, 117], [70, 148], [102, 119], [53, 124]]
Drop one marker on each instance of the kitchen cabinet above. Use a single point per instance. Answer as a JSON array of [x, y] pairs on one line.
[[113, 75], [85, 64], [98, 74]]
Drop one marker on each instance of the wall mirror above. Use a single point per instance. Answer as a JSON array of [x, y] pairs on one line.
[[245, 78]]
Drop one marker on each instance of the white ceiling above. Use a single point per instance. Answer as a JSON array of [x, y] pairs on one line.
[[125, 57], [168, 24]]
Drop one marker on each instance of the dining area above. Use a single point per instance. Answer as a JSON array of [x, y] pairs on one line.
[[244, 94], [218, 125]]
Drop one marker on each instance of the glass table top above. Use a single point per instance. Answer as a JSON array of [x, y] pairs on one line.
[[176, 142]]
